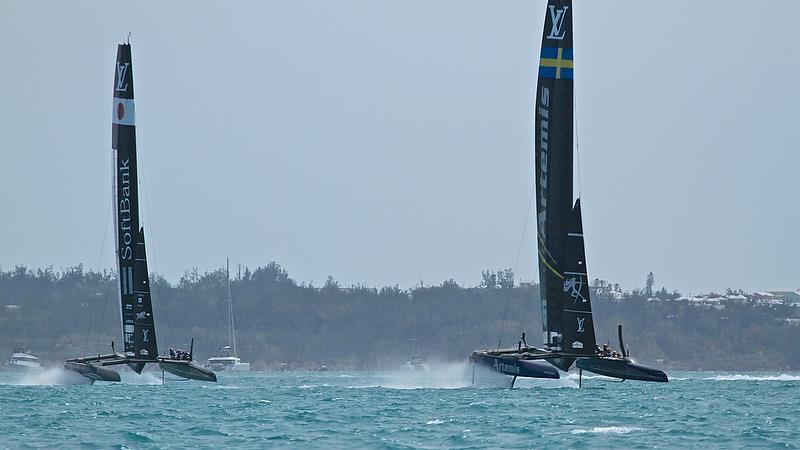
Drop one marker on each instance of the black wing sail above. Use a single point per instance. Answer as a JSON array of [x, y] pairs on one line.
[[554, 118], [144, 331], [138, 327], [137, 314], [578, 327]]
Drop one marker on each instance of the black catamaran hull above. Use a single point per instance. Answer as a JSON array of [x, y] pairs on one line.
[[92, 371], [514, 365], [185, 369], [624, 369], [92, 368]]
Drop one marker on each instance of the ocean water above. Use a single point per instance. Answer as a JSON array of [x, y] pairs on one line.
[[400, 409]]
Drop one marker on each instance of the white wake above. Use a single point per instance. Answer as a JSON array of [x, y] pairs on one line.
[[743, 377], [46, 377], [607, 430]]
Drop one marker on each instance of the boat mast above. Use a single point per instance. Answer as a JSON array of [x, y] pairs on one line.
[[231, 329]]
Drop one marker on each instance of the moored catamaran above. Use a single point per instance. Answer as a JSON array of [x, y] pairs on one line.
[[569, 336], [138, 326], [226, 359]]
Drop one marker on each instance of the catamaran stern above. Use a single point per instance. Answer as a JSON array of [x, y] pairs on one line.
[[186, 369], [92, 371], [624, 369]]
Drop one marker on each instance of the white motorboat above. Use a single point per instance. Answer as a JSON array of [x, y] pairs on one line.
[[24, 360]]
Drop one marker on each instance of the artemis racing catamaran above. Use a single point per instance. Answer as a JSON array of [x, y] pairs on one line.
[[138, 327], [564, 285]]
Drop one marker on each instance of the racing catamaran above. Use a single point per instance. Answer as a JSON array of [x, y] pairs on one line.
[[138, 327], [568, 326]]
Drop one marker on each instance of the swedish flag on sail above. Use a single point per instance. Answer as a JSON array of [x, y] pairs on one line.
[[556, 63]]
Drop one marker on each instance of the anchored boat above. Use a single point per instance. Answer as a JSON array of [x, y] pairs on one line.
[[568, 326], [24, 361], [138, 327], [226, 359]]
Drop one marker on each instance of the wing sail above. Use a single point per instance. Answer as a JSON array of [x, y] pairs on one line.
[[553, 140], [138, 329], [578, 326]]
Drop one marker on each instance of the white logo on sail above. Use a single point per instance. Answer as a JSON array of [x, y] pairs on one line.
[[557, 17], [581, 320], [503, 367], [574, 285], [122, 69], [544, 133]]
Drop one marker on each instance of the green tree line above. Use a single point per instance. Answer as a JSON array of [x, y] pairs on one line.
[[278, 320]]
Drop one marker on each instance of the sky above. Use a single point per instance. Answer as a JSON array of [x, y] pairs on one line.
[[390, 142]]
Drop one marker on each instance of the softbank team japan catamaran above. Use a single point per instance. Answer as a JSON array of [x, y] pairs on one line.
[[138, 327], [569, 336]]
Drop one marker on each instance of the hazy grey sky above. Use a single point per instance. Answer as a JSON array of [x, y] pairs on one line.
[[387, 142]]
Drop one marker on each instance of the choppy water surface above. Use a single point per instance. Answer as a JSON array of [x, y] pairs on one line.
[[403, 409]]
